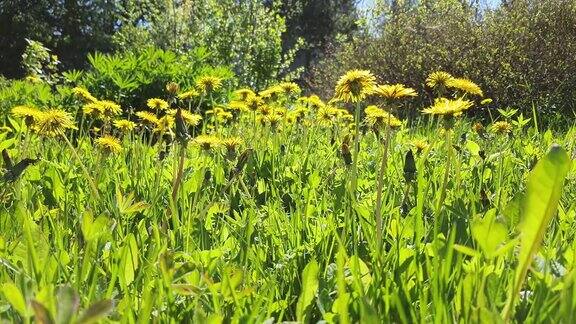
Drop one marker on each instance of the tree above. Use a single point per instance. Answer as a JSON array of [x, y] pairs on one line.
[[319, 23], [71, 28]]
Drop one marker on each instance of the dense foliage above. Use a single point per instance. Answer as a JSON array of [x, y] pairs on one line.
[[522, 52]]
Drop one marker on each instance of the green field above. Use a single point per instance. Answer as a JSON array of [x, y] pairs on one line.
[[273, 206]]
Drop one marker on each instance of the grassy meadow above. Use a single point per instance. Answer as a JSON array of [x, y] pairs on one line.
[[272, 206]]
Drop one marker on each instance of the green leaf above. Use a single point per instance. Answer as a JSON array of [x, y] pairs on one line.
[[15, 298], [68, 303], [41, 313], [309, 288], [489, 233], [545, 184], [96, 311]]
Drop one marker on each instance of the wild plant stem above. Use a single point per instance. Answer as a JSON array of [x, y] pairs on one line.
[[381, 172], [82, 166], [356, 149], [444, 182]]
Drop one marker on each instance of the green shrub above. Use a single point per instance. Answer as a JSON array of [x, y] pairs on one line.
[[130, 78], [522, 53], [245, 35]]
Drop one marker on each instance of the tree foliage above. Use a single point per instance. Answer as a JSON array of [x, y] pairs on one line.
[[521, 52]]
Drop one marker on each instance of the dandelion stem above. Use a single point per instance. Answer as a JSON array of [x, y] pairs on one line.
[[381, 172], [82, 166]]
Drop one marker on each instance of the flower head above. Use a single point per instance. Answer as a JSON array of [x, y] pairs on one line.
[[254, 102], [109, 108], [272, 93], [188, 117], [231, 144], [438, 79], [147, 117], [157, 104], [355, 85], [465, 85], [313, 102], [165, 124], [394, 91], [501, 127], [420, 144], [378, 117], [172, 88], [290, 88], [84, 94], [188, 94], [452, 107], [209, 84], [109, 144], [207, 142], [124, 125], [243, 94], [54, 122], [30, 114], [93, 108]]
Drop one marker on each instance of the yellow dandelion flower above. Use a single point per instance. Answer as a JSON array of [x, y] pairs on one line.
[[209, 84], [265, 110], [54, 122], [438, 79], [394, 91], [214, 111], [147, 117], [165, 124], [420, 144], [271, 93], [188, 117], [501, 127], [207, 142], [109, 144], [188, 94], [452, 107], [237, 105], [290, 88], [124, 125], [157, 104], [377, 117], [273, 120], [93, 108], [243, 94], [465, 85], [326, 116], [232, 143], [110, 108], [224, 116], [30, 114], [254, 102], [355, 85], [314, 102], [84, 94]]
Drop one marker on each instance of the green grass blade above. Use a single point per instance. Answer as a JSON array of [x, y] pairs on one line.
[[545, 184]]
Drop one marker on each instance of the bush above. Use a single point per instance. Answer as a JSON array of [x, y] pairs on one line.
[[130, 78], [522, 53], [246, 35]]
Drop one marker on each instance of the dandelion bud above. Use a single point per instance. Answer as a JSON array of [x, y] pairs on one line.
[[173, 88]]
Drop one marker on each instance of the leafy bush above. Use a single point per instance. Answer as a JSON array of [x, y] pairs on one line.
[[244, 35], [521, 52], [130, 78]]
